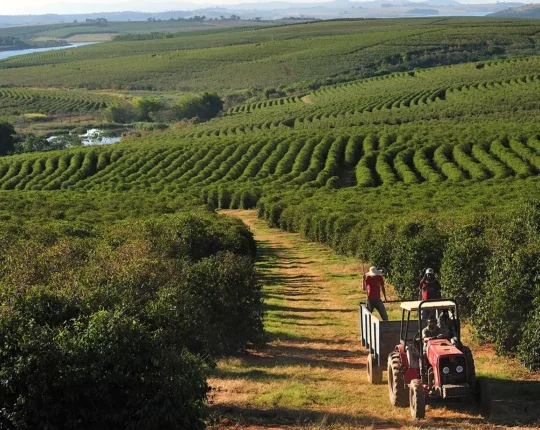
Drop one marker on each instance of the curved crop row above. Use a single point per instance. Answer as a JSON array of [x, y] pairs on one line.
[[475, 170]]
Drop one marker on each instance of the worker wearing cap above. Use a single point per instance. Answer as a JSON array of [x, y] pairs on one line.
[[373, 284], [430, 287]]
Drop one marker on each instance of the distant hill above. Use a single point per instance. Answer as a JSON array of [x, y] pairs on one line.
[[8, 20], [526, 11], [276, 10]]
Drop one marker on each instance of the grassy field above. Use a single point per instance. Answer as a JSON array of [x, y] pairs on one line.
[[235, 59], [70, 30], [312, 374]]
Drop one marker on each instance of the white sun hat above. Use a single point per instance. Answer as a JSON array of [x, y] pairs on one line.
[[373, 271]]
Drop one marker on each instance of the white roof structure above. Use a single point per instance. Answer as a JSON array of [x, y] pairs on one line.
[[439, 304]]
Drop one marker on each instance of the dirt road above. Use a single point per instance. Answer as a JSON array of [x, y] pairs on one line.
[[312, 372]]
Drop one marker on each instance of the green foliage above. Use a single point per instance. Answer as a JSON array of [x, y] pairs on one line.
[[405, 170], [204, 106], [7, 140], [145, 107], [529, 347], [490, 266], [511, 285], [463, 267], [120, 114], [39, 104], [303, 56], [32, 143], [103, 369], [415, 247], [113, 320]]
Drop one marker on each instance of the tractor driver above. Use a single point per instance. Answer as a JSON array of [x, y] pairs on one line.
[[433, 331]]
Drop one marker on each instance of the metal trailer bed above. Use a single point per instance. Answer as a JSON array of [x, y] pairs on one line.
[[380, 339]]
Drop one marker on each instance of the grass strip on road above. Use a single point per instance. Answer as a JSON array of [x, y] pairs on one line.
[[312, 373]]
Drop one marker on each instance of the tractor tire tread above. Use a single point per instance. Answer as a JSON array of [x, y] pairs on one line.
[[471, 369], [417, 399], [396, 387]]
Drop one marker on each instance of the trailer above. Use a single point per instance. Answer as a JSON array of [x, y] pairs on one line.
[[380, 339]]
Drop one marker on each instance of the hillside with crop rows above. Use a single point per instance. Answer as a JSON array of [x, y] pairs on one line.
[[406, 144]]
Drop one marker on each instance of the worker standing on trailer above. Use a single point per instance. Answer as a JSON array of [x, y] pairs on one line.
[[373, 284], [430, 287]]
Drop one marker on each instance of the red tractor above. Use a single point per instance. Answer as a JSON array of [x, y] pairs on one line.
[[421, 370]]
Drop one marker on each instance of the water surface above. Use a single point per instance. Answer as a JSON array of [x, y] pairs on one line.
[[8, 54]]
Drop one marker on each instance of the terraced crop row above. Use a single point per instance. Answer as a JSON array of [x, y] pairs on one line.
[[295, 159], [14, 101], [358, 104], [245, 108]]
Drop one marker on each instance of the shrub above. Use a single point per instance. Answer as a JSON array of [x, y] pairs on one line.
[[217, 308], [7, 138], [102, 370], [120, 114], [463, 267], [529, 346], [204, 106], [99, 323], [416, 247], [511, 284]]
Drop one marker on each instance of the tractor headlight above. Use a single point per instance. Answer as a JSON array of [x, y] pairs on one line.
[[446, 370], [459, 369]]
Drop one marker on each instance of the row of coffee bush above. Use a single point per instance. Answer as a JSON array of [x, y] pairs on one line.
[[488, 261], [114, 325]]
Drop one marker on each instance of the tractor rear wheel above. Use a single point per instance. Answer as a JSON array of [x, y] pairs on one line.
[[471, 370], [396, 386], [374, 372], [417, 399], [482, 395]]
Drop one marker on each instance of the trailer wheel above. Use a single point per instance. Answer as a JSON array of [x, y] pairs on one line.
[[417, 399], [482, 396], [396, 386], [374, 372]]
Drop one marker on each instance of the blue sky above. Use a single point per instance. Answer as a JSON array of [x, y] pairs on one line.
[[27, 7]]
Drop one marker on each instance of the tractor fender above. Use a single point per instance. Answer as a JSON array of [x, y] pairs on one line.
[[410, 375], [402, 355]]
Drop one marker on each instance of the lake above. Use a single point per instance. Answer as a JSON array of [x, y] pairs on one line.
[[94, 137], [8, 54]]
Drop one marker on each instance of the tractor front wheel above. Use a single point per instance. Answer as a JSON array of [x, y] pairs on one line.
[[417, 399], [482, 396], [471, 371], [374, 372], [396, 386]]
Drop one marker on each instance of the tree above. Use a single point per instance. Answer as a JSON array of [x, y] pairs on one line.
[[146, 106], [121, 114], [65, 141], [7, 138], [34, 143], [204, 106], [211, 105]]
